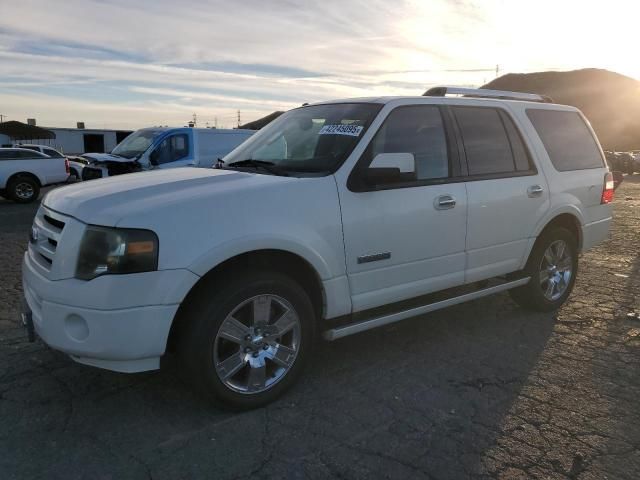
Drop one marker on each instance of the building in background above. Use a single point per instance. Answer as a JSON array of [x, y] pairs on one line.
[[75, 141], [70, 141]]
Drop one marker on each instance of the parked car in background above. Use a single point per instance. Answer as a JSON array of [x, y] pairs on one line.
[[636, 158], [335, 218], [76, 165], [48, 151], [23, 172], [624, 162], [152, 148]]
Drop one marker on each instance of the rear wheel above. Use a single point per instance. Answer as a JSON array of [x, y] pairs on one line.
[[245, 344], [552, 266], [23, 189]]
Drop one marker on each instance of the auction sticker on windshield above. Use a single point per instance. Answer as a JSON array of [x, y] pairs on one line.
[[351, 130]]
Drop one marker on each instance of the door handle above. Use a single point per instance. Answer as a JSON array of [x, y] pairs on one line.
[[535, 191], [444, 202]]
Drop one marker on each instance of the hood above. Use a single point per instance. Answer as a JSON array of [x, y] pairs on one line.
[[107, 201], [106, 157]]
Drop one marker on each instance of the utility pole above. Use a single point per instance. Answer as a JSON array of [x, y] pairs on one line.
[[2, 117], [238, 118], [497, 71], [195, 120], [215, 122]]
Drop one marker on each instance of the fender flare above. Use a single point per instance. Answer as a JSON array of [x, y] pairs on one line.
[[552, 214], [225, 251], [546, 220], [40, 180]]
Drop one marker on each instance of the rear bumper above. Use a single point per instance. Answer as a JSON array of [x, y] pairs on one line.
[[595, 232], [120, 337]]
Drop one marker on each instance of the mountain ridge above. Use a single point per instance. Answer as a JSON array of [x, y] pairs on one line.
[[610, 101]]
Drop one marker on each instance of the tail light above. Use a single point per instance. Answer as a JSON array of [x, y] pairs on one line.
[[607, 191], [66, 166]]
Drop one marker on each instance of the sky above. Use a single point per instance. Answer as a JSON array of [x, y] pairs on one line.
[[134, 63]]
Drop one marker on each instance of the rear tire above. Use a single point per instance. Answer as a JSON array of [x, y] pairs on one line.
[[245, 344], [23, 189], [552, 266]]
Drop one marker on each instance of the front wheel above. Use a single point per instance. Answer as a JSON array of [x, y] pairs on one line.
[[23, 189], [552, 266], [245, 344]]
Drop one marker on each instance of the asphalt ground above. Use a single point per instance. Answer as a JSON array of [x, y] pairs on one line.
[[481, 390]]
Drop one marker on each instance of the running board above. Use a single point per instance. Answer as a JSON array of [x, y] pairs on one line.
[[344, 331]]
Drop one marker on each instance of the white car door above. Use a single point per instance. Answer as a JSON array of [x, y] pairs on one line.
[[405, 238], [507, 194]]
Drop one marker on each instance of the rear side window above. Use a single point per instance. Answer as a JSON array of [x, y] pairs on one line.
[[51, 152], [491, 142], [24, 154], [567, 139]]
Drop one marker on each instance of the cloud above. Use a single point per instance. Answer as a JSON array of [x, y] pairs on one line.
[[112, 60]]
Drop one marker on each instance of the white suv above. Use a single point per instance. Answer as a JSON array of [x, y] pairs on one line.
[[336, 218]]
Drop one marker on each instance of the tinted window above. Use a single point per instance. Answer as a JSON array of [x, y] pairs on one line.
[[418, 130], [6, 154], [28, 154], [485, 140], [35, 149], [568, 140], [172, 149], [51, 152], [520, 153]]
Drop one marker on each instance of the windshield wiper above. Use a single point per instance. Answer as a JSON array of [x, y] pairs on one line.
[[263, 164]]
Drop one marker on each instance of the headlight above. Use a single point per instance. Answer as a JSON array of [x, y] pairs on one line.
[[116, 250]]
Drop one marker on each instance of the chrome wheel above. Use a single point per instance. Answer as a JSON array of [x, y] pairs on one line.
[[556, 270], [257, 344], [24, 191]]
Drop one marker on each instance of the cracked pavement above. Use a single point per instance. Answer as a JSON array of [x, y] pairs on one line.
[[481, 390]]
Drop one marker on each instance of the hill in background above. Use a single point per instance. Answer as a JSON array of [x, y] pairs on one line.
[[610, 101]]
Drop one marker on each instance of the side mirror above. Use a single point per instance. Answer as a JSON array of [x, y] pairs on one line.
[[391, 167], [617, 179]]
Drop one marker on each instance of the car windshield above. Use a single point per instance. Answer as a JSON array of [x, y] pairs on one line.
[[136, 143], [314, 139]]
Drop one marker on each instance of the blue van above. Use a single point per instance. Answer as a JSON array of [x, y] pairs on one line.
[[158, 147]]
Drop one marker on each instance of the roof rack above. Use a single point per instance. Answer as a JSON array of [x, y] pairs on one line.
[[486, 93]]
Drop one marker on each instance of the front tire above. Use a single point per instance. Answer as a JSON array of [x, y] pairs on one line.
[[23, 189], [245, 344], [552, 266]]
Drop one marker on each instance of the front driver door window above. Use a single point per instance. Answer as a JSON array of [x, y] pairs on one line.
[[175, 147]]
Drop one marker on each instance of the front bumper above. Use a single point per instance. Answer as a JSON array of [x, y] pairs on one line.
[[118, 322]]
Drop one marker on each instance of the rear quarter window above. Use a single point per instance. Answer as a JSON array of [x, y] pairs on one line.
[[567, 139]]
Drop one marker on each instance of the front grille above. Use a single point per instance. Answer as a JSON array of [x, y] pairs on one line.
[[54, 222], [45, 236], [90, 173]]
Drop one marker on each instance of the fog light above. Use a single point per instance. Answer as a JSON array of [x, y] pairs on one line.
[[76, 327]]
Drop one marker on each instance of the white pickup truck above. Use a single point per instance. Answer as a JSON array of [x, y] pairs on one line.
[[335, 218], [24, 171]]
